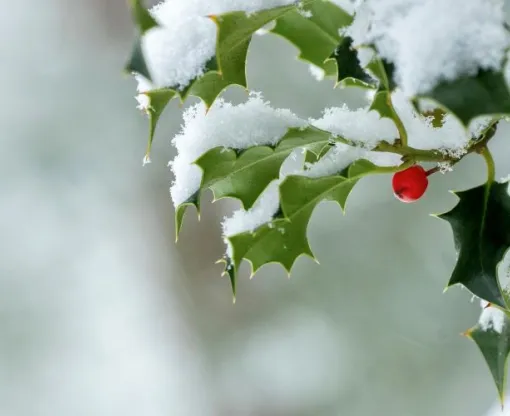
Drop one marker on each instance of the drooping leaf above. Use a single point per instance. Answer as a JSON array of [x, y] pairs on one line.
[[470, 96], [284, 239], [494, 344], [158, 101], [181, 209], [244, 175], [481, 228], [316, 36]]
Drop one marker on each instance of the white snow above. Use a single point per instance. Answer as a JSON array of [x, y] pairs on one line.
[[452, 138], [431, 41], [491, 318], [316, 72], [178, 50], [252, 123], [361, 126], [262, 211], [143, 86]]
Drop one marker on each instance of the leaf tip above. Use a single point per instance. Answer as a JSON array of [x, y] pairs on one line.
[[213, 17], [467, 333]]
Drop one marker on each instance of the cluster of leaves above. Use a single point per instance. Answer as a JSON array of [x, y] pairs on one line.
[[480, 221]]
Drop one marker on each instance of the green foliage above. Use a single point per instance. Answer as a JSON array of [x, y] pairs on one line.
[[471, 96], [317, 36], [284, 239], [495, 347], [481, 228], [244, 175], [480, 221]]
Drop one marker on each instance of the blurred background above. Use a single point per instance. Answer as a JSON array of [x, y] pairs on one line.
[[102, 314]]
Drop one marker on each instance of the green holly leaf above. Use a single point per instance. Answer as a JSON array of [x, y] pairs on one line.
[[235, 31], [158, 99], [468, 97], [316, 36], [284, 240], [494, 344], [143, 19], [384, 72], [245, 174], [481, 229], [144, 22], [181, 209], [313, 157], [350, 71]]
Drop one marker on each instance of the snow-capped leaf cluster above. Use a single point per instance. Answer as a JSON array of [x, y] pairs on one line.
[[436, 84], [178, 50], [431, 41]]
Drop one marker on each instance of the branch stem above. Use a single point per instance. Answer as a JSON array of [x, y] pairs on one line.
[[489, 160]]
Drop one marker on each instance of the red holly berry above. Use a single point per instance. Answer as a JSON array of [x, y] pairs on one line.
[[409, 185]]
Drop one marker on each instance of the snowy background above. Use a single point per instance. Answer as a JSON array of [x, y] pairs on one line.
[[102, 314]]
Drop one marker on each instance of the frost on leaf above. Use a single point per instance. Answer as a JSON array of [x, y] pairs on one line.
[[194, 48], [471, 34], [229, 129], [464, 74]]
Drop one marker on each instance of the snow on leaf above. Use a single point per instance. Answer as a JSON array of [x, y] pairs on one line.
[[481, 229], [469, 97], [282, 237], [244, 175], [180, 52], [492, 336], [433, 41], [316, 36], [253, 124], [362, 126]]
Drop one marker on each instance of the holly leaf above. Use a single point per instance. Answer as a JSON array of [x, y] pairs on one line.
[[494, 344], [143, 22], [313, 157], [235, 31], [317, 35], [468, 97], [245, 174], [283, 240], [226, 68], [350, 71], [481, 228], [384, 72], [180, 211]]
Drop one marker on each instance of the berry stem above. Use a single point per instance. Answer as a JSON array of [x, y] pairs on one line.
[[433, 170]]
